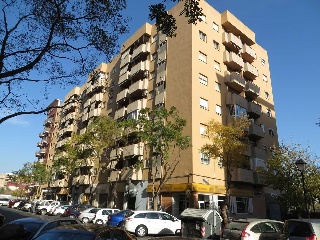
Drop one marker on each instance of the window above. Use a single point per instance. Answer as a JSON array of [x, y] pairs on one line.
[[218, 87], [269, 114], [266, 94], [153, 56], [264, 78], [241, 205], [203, 36], [218, 110], [215, 26], [202, 18], [216, 45], [203, 129], [133, 115], [216, 65], [204, 103], [155, 38], [263, 62], [271, 132], [262, 127], [152, 74], [202, 57], [237, 111], [204, 158], [203, 79]]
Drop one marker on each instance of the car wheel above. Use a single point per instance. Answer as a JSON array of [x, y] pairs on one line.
[[85, 220], [99, 221], [141, 231], [43, 212]]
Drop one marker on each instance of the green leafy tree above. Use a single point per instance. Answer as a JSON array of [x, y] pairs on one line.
[[229, 144], [282, 174], [56, 42], [161, 131]]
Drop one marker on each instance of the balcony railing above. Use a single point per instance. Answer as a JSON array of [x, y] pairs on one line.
[[137, 105], [123, 95], [248, 53], [233, 60], [231, 41], [254, 110], [120, 113], [250, 71], [124, 78], [97, 97], [95, 112], [234, 80], [125, 60], [259, 153], [233, 98], [139, 87], [242, 175], [252, 90], [133, 150], [138, 70], [116, 153], [160, 98], [143, 49], [256, 131], [130, 173], [114, 176]]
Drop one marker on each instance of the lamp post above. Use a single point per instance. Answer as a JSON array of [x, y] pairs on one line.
[[301, 165]]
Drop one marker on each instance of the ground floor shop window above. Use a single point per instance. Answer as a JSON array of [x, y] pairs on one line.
[[241, 205]]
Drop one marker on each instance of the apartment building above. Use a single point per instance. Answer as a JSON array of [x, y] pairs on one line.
[[211, 70]]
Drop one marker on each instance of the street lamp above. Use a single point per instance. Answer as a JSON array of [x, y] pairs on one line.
[[301, 165]]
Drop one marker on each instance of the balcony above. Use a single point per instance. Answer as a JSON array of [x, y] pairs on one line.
[[120, 113], [47, 122], [251, 90], [161, 73], [74, 93], [115, 153], [125, 59], [97, 97], [137, 105], [123, 96], [242, 175], [44, 133], [87, 103], [99, 84], [256, 131], [254, 110], [71, 107], [248, 54], [249, 71], [130, 173], [84, 117], [235, 99], [259, 155], [142, 51], [95, 112], [231, 41], [70, 128], [160, 98], [234, 25], [114, 176], [234, 81], [124, 79], [258, 179], [138, 71], [68, 117], [133, 150], [139, 87], [232, 60]]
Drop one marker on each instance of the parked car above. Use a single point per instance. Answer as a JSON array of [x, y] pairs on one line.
[[86, 232], [74, 211], [47, 209], [4, 201], [88, 214], [59, 210], [2, 218], [34, 204], [42, 207], [116, 219], [301, 229], [27, 207], [12, 202], [21, 204], [17, 204], [101, 217], [252, 229], [143, 223], [29, 228]]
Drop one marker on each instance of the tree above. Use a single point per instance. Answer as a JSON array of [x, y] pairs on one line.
[[229, 145], [161, 133], [282, 174], [87, 150], [56, 42]]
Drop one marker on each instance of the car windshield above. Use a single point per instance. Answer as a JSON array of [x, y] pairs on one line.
[[236, 225], [66, 236]]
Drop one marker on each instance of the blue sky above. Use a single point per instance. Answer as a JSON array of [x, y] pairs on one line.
[[287, 29]]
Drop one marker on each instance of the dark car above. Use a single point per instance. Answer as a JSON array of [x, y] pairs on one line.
[[301, 229], [74, 210], [116, 219], [2, 218], [21, 204], [86, 232], [12, 202], [29, 228], [252, 229]]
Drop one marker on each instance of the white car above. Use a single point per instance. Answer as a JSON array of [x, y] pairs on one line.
[[57, 211], [49, 209], [4, 201], [143, 223], [88, 214], [26, 207], [101, 216], [42, 207]]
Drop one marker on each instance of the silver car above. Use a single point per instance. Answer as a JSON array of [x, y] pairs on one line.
[[87, 215], [301, 229]]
